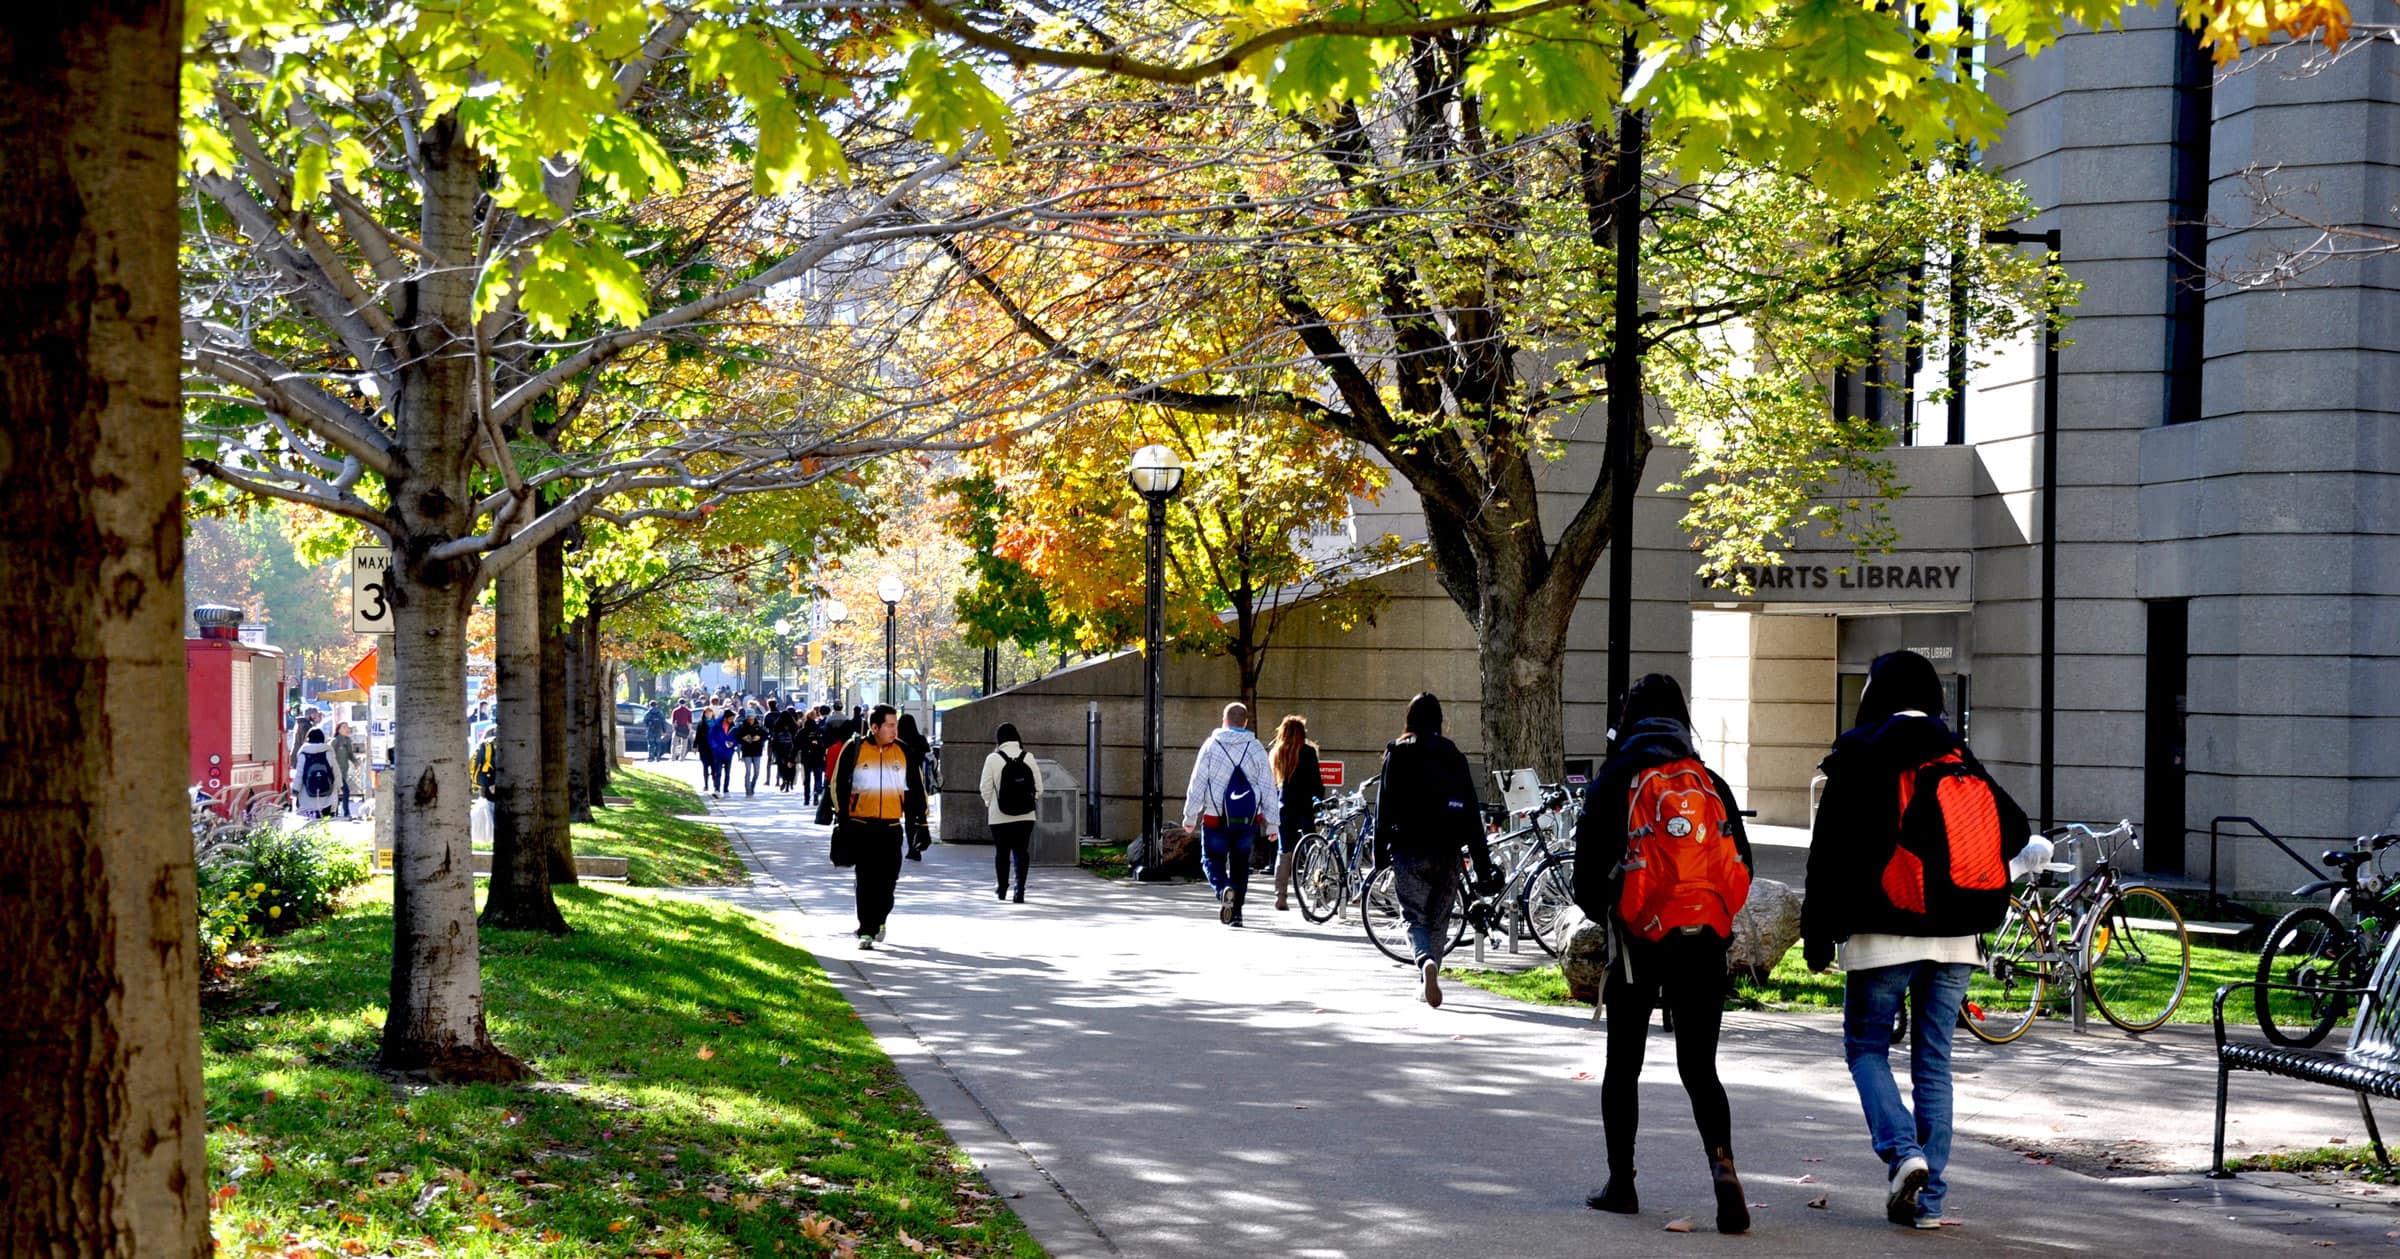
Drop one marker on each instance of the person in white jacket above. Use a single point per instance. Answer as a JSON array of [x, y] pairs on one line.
[[1233, 810], [1012, 793]]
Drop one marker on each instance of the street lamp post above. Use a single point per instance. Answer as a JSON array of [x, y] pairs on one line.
[[783, 653], [890, 590], [836, 612], [1155, 474]]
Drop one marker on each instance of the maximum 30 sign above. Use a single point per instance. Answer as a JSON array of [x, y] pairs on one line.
[[371, 590]]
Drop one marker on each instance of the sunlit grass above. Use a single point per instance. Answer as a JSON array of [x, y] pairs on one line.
[[661, 848], [704, 1091]]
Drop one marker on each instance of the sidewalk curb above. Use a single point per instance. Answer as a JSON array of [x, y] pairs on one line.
[[1048, 1210]]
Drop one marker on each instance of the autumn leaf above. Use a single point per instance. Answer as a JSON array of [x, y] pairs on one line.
[[706, 1053]]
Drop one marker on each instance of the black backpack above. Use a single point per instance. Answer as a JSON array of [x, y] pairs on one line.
[[1016, 796], [316, 778]]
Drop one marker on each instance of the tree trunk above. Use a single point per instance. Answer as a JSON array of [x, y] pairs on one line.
[[603, 720], [519, 898], [557, 836], [1521, 656], [435, 1018], [580, 797], [101, 1118]]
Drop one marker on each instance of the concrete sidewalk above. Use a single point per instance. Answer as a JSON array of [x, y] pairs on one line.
[[1154, 1084]]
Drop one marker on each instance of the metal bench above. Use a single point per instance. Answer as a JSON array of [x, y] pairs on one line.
[[2369, 1065]]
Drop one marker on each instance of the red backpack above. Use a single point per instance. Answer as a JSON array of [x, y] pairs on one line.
[[1950, 863], [1681, 868]]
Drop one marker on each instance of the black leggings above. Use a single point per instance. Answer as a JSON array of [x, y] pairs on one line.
[[1688, 974], [1010, 844]]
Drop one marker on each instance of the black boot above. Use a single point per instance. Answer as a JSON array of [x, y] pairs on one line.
[[1733, 1209], [1617, 1197]]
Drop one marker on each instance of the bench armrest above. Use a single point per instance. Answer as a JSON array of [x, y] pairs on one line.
[[2224, 990]]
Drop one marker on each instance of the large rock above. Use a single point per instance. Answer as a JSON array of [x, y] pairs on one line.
[[1766, 928], [1584, 961]]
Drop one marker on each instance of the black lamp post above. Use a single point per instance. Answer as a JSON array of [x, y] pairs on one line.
[[890, 590], [1155, 474]]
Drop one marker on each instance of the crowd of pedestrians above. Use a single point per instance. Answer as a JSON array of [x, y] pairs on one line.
[[1913, 847]]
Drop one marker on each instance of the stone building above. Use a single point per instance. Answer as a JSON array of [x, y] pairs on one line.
[[2227, 555]]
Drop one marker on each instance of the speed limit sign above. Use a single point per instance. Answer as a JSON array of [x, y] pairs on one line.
[[370, 590]]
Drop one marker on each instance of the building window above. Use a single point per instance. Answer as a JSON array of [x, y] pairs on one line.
[[2187, 227]]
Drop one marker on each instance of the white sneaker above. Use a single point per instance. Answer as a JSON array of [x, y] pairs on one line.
[[1908, 1180], [1432, 972], [879, 934], [866, 942]]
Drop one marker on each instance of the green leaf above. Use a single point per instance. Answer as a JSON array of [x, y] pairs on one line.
[[308, 175], [948, 102]]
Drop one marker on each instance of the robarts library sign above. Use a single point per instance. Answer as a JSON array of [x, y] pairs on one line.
[[1908, 577]]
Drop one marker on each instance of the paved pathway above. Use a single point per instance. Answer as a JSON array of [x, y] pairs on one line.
[[1155, 1084]]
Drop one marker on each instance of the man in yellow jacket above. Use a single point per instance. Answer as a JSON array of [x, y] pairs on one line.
[[877, 790]]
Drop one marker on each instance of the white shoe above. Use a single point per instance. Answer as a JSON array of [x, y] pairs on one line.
[[1432, 972], [1908, 1180]]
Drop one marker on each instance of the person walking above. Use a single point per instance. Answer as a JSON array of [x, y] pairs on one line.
[[812, 755], [1914, 848], [1231, 796], [313, 777], [1667, 882], [345, 762], [878, 795], [920, 755], [681, 721], [654, 728], [1300, 781], [1012, 797], [723, 746], [750, 739], [1427, 813], [783, 743]]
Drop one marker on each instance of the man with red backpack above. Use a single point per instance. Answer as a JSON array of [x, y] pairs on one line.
[[1667, 882], [1914, 849]]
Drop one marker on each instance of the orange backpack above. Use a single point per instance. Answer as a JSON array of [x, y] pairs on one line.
[[1949, 863], [1681, 868]]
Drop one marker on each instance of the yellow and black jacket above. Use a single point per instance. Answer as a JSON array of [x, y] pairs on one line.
[[878, 783]]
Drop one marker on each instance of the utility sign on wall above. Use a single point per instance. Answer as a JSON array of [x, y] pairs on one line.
[[1329, 773], [370, 590]]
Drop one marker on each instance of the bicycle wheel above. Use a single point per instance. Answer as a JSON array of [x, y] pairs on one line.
[[2309, 949], [1546, 903], [2141, 959], [1317, 877], [1379, 907], [2005, 992]]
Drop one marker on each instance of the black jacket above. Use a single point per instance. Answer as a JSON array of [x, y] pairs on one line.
[[1600, 838], [1858, 825], [1428, 807], [751, 737], [1302, 789]]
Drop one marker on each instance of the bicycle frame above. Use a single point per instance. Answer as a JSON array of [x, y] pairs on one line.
[[2077, 908]]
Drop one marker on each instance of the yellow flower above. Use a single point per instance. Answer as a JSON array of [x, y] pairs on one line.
[[257, 888], [275, 911]]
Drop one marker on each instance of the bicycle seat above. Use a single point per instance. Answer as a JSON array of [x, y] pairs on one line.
[[2347, 860]]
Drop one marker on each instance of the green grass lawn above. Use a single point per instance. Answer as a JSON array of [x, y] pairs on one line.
[[660, 848], [1106, 860], [704, 1091], [1791, 986]]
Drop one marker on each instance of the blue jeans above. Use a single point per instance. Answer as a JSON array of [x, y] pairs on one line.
[[1870, 1001], [1217, 848]]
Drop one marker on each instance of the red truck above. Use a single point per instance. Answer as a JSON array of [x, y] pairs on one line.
[[239, 761]]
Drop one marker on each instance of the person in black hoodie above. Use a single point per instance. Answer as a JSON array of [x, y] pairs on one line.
[[1427, 813], [920, 836], [1685, 971], [1891, 953]]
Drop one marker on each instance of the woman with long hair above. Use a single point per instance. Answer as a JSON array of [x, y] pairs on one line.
[[1296, 776]]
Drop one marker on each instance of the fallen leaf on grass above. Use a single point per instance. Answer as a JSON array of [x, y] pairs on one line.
[[1820, 1200], [1677, 1226], [385, 1180], [706, 1053], [353, 1246]]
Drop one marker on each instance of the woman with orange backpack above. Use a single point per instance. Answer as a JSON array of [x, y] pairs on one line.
[[1667, 883], [1914, 849]]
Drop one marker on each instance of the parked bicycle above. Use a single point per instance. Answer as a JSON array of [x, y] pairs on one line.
[[2124, 944], [1331, 865], [1536, 861], [2317, 955]]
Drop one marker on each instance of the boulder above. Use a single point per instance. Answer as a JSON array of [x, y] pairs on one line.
[[1766, 929], [1584, 961]]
